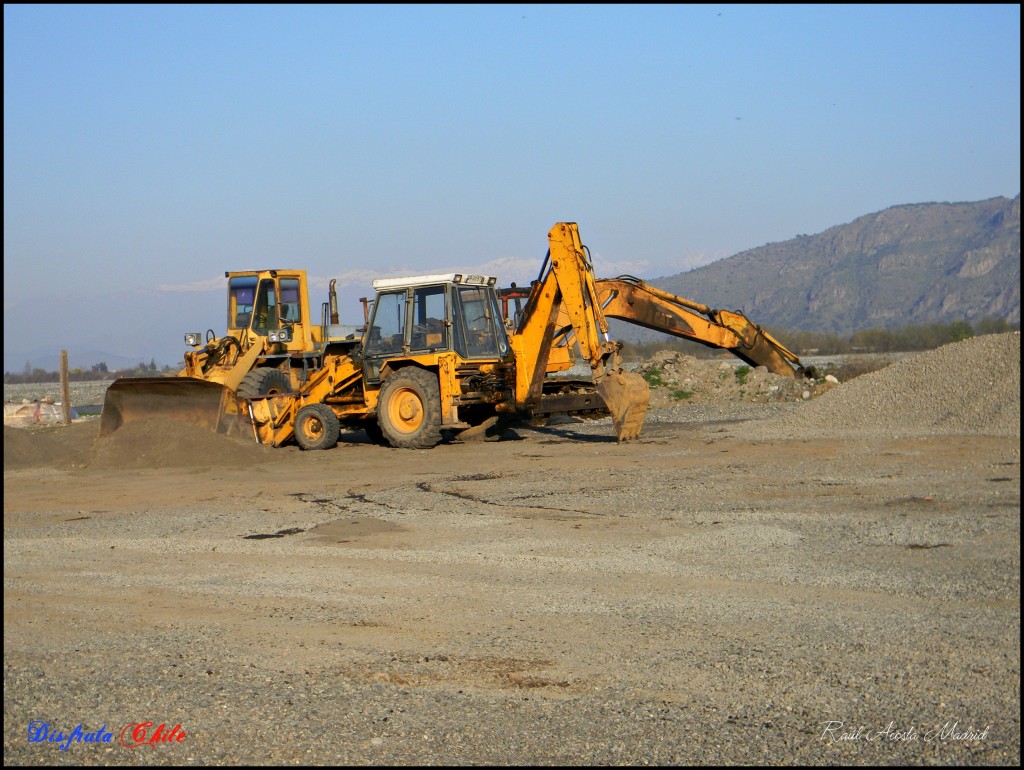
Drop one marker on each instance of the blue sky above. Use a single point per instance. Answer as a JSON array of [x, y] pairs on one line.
[[147, 149]]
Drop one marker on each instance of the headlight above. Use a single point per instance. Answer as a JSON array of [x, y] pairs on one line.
[[280, 335], [193, 339]]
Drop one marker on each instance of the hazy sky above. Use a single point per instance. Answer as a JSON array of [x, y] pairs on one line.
[[147, 149]]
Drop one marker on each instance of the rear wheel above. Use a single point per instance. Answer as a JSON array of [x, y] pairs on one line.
[[317, 427], [264, 381], [409, 409]]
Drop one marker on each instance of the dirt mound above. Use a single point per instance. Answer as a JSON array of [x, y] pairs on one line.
[[677, 378], [162, 442], [54, 447], [150, 442], [965, 387]]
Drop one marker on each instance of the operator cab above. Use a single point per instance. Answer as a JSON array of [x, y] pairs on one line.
[[433, 314], [267, 306]]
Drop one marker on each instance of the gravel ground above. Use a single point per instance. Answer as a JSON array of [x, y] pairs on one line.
[[747, 583], [82, 393]]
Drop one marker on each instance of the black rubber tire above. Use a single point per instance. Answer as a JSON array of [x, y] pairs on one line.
[[317, 427], [264, 381], [409, 409]]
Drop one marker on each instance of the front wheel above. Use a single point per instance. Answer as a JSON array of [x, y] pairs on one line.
[[317, 427], [409, 409], [264, 381]]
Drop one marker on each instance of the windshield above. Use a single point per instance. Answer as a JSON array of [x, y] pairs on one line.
[[241, 295], [387, 329]]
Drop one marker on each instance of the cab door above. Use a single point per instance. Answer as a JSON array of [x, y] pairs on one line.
[[386, 333]]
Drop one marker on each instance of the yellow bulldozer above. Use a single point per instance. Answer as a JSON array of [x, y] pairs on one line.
[[433, 357]]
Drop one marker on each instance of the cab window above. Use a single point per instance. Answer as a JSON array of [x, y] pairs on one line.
[[241, 295], [387, 329], [429, 329], [290, 307], [478, 333], [265, 317]]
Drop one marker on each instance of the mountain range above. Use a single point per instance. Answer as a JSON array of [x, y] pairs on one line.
[[909, 264]]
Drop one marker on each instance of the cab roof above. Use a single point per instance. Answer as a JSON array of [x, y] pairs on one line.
[[423, 280]]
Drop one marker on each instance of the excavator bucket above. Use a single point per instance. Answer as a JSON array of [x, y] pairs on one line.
[[626, 395], [209, 405]]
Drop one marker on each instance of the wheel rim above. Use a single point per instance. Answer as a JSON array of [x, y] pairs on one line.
[[314, 428], [405, 410]]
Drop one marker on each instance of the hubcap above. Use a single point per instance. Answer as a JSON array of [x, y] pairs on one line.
[[406, 411]]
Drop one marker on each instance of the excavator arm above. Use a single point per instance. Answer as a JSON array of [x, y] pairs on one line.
[[630, 299], [566, 289]]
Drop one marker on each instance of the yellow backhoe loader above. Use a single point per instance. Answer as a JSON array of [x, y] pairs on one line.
[[434, 357]]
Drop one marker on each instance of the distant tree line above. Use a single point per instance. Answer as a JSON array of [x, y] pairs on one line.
[[902, 339], [98, 371]]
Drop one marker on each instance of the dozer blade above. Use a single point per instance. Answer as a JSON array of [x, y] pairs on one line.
[[207, 404], [626, 395]]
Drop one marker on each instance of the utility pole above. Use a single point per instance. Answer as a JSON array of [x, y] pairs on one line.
[[65, 387]]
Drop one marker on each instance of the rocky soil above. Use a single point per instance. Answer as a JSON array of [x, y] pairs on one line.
[[760, 578], [82, 393], [677, 377]]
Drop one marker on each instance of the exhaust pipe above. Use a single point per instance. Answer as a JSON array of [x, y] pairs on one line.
[[334, 302]]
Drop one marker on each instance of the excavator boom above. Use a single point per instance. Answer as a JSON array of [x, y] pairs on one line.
[[630, 299]]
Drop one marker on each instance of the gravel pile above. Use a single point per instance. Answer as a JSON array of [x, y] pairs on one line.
[[965, 387]]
